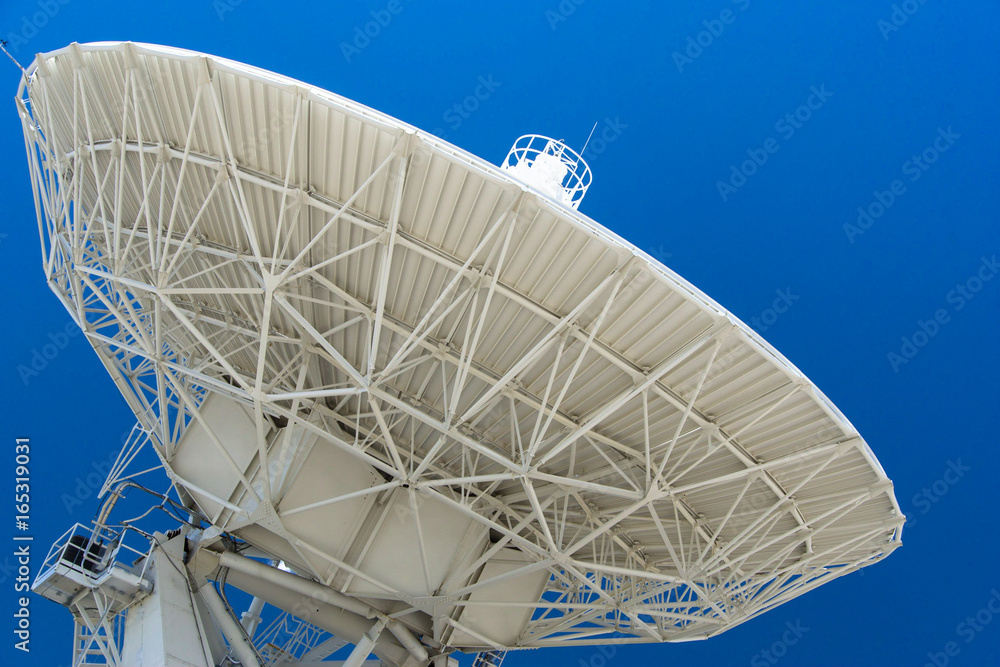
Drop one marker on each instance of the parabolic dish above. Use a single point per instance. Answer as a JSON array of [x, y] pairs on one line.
[[421, 382]]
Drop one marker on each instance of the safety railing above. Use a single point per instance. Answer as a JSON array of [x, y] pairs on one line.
[[87, 551], [551, 166]]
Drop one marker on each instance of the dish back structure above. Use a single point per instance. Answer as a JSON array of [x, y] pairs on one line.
[[421, 382]]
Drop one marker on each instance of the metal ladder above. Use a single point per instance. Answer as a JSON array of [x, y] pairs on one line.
[[489, 658], [88, 649]]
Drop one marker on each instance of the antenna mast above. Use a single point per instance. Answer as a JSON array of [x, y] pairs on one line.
[[589, 136], [3, 46]]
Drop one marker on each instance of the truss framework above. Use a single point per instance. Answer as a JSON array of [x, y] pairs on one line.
[[191, 268]]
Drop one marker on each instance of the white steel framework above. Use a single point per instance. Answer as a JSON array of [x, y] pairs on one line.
[[492, 355]]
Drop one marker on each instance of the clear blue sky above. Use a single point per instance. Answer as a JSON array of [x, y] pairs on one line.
[[678, 118]]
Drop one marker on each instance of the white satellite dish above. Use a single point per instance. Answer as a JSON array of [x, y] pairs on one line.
[[407, 390]]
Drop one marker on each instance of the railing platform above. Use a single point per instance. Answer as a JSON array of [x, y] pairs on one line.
[[84, 559]]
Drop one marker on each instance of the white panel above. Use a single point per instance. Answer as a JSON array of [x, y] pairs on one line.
[[395, 556], [504, 626], [199, 460]]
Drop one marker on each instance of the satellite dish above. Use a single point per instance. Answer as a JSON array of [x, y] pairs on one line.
[[415, 390]]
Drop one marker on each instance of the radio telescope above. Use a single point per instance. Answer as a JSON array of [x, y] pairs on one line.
[[415, 401]]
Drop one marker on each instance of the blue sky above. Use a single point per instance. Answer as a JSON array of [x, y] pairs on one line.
[[736, 141]]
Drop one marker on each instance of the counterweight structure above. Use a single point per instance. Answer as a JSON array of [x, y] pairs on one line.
[[444, 400]]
